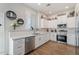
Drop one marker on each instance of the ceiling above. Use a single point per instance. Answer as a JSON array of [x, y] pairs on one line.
[[51, 8]]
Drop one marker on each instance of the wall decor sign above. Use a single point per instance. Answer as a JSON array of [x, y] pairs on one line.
[[11, 15], [20, 21], [71, 14]]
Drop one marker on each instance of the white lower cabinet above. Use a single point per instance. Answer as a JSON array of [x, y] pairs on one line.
[[53, 36], [38, 41], [17, 47], [46, 37], [71, 39], [41, 39]]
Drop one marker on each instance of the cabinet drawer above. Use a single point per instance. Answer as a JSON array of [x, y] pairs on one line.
[[18, 41], [71, 39], [19, 49], [18, 53], [37, 41], [53, 36], [18, 46]]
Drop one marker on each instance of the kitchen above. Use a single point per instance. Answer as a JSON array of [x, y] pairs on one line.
[[31, 28]]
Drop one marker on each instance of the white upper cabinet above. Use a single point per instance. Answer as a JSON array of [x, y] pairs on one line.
[[71, 22], [43, 23], [46, 24], [62, 19], [53, 24], [77, 22]]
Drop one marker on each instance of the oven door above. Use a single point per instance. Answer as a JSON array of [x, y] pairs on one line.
[[62, 38]]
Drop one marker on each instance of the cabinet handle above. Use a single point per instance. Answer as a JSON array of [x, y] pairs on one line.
[[19, 47], [0, 24]]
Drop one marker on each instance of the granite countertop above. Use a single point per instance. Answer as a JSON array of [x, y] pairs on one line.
[[23, 34]]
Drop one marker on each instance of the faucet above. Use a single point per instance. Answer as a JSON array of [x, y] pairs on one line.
[[32, 28]]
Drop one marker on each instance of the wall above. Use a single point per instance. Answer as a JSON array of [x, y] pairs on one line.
[[2, 32], [22, 11], [77, 24]]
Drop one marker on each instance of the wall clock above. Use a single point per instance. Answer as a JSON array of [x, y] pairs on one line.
[[11, 15]]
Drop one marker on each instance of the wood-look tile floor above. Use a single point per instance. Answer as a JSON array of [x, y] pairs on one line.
[[54, 48]]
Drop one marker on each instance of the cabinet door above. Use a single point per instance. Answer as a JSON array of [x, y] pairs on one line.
[[51, 24], [71, 22], [37, 41], [41, 40], [77, 22], [55, 24], [53, 36], [71, 39], [19, 47], [62, 19], [46, 37]]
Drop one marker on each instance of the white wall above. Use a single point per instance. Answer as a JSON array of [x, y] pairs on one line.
[[22, 11], [2, 32], [2, 38], [77, 24]]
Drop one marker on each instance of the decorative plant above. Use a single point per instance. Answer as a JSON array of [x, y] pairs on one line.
[[17, 23], [14, 25]]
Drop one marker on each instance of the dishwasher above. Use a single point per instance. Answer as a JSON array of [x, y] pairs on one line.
[[29, 44]]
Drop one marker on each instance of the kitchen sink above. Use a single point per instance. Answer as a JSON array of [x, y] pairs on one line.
[[37, 33]]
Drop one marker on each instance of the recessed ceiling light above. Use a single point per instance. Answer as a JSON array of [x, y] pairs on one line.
[[39, 3], [67, 7]]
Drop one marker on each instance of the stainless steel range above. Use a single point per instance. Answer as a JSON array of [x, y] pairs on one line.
[[62, 33]]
